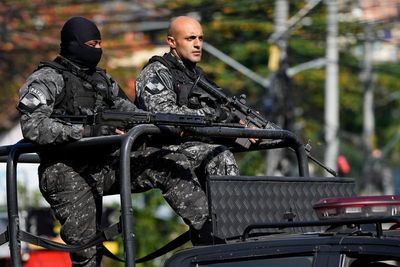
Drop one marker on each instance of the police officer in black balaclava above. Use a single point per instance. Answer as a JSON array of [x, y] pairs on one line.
[[81, 42], [72, 84]]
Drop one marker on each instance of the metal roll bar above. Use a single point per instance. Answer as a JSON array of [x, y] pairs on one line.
[[22, 152]]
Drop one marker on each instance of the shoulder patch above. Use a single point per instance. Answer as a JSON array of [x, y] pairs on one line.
[[165, 77], [31, 100], [37, 93], [154, 88]]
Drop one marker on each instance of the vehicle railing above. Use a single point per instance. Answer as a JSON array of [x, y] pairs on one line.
[[24, 151], [376, 220]]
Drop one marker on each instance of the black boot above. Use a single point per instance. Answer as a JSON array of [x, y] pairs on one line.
[[204, 236]]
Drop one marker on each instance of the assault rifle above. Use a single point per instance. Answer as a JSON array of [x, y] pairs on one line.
[[127, 120]]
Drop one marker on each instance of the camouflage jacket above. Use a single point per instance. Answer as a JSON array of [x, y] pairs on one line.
[[37, 100], [155, 92]]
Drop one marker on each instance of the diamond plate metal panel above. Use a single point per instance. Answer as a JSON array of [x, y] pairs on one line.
[[238, 201]]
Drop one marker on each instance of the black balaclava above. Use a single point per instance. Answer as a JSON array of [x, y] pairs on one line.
[[75, 32]]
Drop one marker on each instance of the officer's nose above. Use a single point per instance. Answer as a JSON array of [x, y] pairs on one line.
[[198, 43]]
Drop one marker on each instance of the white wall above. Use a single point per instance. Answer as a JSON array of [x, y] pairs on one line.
[[26, 173]]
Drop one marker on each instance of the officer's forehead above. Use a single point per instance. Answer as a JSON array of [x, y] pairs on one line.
[[185, 25]]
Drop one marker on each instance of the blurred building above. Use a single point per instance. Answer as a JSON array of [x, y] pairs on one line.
[[383, 17], [374, 10]]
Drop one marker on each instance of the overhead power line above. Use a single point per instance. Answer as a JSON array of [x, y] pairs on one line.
[[293, 21], [236, 65]]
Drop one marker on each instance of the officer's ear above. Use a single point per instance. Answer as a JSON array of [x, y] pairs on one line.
[[171, 42]]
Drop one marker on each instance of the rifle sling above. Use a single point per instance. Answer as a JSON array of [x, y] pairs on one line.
[[4, 237], [105, 235], [175, 243]]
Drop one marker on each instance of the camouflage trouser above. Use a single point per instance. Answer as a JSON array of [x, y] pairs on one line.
[[74, 191], [209, 159]]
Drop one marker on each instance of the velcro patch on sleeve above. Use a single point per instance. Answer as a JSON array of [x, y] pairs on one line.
[[165, 78], [154, 88], [31, 100]]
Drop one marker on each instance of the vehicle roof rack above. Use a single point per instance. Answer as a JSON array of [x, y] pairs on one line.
[[377, 221]]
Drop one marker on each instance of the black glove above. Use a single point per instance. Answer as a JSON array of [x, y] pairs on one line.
[[223, 114], [98, 130]]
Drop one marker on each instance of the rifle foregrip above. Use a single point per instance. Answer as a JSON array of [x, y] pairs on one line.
[[244, 142]]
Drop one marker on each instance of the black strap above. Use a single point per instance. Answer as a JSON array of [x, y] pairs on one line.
[[4, 237], [109, 254], [162, 60], [107, 234], [102, 236], [177, 242], [52, 245], [52, 64]]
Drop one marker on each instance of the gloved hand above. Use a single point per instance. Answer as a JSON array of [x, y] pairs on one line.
[[98, 130], [223, 114]]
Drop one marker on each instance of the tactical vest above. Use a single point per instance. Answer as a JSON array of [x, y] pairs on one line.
[[81, 91], [184, 81]]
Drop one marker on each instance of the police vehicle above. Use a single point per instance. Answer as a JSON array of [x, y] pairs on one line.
[[357, 231], [296, 221]]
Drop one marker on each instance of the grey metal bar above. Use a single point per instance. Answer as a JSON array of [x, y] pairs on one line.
[[12, 209], [12, 201], [24, 158], [125, 189], [4, 151], [14, 152]]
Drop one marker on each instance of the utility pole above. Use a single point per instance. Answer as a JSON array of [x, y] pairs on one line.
[[331, 86], [277, 57], [367, 80], [368, 108], [280, 26]]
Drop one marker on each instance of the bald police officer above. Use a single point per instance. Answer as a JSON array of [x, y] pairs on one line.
[[168, 84]]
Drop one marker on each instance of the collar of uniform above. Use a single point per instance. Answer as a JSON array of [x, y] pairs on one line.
[[180, 62]]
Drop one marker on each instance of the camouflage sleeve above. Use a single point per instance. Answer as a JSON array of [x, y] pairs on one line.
[[124, 105], [120, 100], [154, 92], [36, 103]]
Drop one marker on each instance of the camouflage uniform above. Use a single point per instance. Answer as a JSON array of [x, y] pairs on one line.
[[74, 186], [156, 92]]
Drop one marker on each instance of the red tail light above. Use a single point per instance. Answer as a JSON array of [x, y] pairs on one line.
[[357, 207]]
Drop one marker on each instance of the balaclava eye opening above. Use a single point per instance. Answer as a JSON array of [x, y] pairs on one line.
[[75, 32]]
